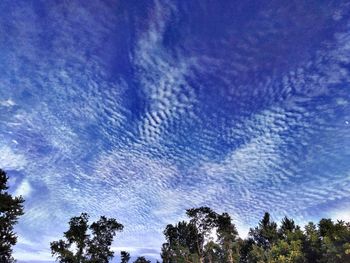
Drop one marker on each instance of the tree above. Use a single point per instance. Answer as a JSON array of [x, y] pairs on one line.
[[287, 227], [245, 249], [210, 238], [75, 236], [103, 232], [227, 237], [312, 243], [125, 257], [263, 238], [258, 254], [213, 253], [204, 219], [142, 260], [335, 241], [286, 252], [11, 208], [266, 233], [289, 246], [193, 241], [95, 249], [181, 243]]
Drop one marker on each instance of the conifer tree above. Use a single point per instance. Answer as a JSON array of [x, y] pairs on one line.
[[10, 209]]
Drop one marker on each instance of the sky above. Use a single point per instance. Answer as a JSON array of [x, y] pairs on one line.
[[141, 109]]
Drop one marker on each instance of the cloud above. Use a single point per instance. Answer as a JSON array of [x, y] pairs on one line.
[[244, 117], [27, 256], [162, 78], [11, 160], [24, 189], [343, 214], [7, 103]]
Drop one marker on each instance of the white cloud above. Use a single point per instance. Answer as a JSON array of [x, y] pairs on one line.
[[24, 189], [11, 160], [43, 255], [341, 215], [242, 229], [162, 78], [7, 103]]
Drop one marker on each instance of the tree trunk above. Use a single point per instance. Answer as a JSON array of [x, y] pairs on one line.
[[229, 253], [230, 258]]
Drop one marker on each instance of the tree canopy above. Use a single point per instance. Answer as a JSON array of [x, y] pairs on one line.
[[11, 208], [210, 237], [84, 243]]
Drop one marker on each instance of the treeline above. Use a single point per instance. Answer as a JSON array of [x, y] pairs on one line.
[[209, 237], [206, 237]]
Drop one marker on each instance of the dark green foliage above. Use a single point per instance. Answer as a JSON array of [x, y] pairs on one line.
[[10, 209], [103, 232], [245, 249], [181, 244], [266, 233], [124, 257], [287, 227], [227, 238], [76, 236], [335, 245], [203, 219], [142, 260], [312, 243], [213, 252], [212, 238], [92, 242]]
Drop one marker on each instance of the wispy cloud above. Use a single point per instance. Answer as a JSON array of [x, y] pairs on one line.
[[162, 76], [11, 160], [98, 114], [7, 103]]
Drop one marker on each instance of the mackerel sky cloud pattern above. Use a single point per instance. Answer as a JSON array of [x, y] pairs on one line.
[[141, 109]]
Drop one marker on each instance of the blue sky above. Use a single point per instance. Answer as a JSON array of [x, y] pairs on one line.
[[141, 109]]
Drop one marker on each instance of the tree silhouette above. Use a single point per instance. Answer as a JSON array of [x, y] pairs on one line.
[[181, 245], [142, 260], [312, 243], [124, 256], [204, 219], [10, 209], [227, 237], [84, 243], [266, 233]]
